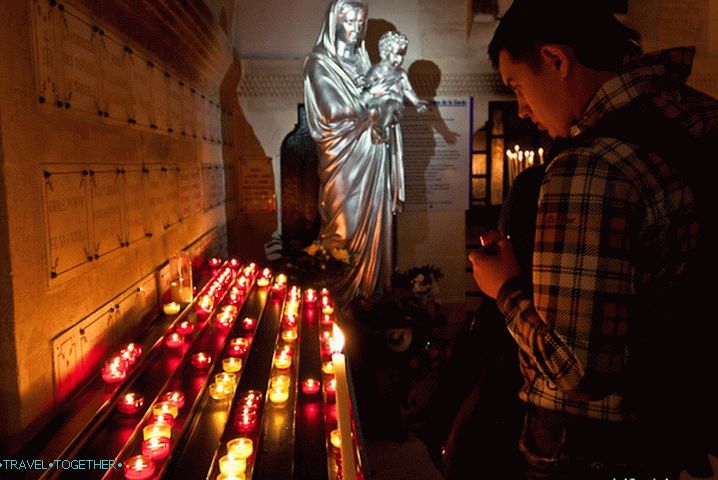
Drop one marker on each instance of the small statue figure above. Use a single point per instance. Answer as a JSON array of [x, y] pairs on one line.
[[387, 82]]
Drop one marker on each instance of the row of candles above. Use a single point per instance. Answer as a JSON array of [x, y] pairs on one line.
[[519, 160], [157, 431]]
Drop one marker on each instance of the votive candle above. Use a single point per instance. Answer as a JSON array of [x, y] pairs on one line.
[[156, 448], [139, 468]]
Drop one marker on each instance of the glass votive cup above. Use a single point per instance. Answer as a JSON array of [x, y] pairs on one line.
[[241, 447], [173, 396], [165, 407], [232, 364], [156, 448], [226, 377], [156, 430], [138, 468], [231, 465], [130, 402]]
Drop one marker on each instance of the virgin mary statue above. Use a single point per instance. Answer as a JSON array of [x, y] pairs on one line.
[[361, 183]]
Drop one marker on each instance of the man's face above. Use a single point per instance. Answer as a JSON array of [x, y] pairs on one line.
[[539, 94], [350, 25]]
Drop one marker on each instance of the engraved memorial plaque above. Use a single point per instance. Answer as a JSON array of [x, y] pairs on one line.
[[142, 91], [185, 180], [133, 205], [171, 195], [67, 225], [154, 180], [80, 64], [46, 59], [174, 105], [106, 194], [189, 112], [160, 86], [196, 190], [257, 185], [116, 79]]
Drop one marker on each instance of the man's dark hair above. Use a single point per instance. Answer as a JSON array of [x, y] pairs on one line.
[[598, 39]]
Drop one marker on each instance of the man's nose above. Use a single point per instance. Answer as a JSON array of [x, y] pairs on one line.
[[524, 111]]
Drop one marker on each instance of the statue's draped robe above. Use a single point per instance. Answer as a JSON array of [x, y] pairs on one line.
[[361, 183]]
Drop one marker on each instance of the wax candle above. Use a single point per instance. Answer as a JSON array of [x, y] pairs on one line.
[[226, 377], [278, 394], [231, 465], [114, 370], [330, 387], [283, 381], [241, 447], [165, 407], [130, 402], [224, 476], [138, 468], [205, 304], [343, 403], [234, 263], [131, 352], [289, 335], [310, 386], [232, 364], [223, 320], [173, 396], [248, 323], [238, 346], [326, 319], [335, 439], [262, 282], [174, 340], [327, 310], [157, 430], [162, 418], [185, 327], [201, 360], [171, 308], [215, 262], [290, 320], [156, 448], [310, 296], [328, 367], [282, 360], [220, 391]]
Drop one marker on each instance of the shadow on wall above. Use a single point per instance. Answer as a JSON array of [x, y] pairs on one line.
[[247, 231], [376, 27]]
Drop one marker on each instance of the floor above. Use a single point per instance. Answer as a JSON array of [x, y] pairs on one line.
[[406, 460]]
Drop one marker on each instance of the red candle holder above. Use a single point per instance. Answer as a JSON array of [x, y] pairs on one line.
[[248, 323], [130, 403], [310, 296], [290, 320], [238, 347], [201, 360], [330, 387], [326, 320], [174, 396], [131, 353], [310, 386], [156, 448], [114, 371], [185, 327], [164, 417], [138, 467], [174, 340], [234, 263]]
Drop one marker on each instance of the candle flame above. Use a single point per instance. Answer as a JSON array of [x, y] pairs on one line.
[[338, 339]]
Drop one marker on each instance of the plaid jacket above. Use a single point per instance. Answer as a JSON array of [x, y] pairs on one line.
[[602, 205]]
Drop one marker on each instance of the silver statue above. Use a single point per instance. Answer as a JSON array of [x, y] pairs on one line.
[[360, 164]]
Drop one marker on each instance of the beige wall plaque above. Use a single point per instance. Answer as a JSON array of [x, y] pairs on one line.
[[142, 91], [188, 112], [67, 225], [80, 64], [174, 105], [106, 211], [160, 86], [46, 58], [256, 189], [133, 204], [116, 79]]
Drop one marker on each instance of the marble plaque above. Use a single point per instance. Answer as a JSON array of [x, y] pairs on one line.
[[188, 112], [154, 180], [196, 190], [142, 71], [186, 183], [46, 58], [160, 86], [202, 114], [170, 186], [116, 79], [256, 187], [67, 225], [133, 204], [174, 106], [80, 63], [106, 211]]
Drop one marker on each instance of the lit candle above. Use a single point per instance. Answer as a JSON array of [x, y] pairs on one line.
[[330, 387], [327, 309], [238, 346], [232, 364], [310, 295], [326, 319], [290, 320], [173, 396], [343, 404], [224, 476], [220, 391], [335, 439], [241, 447], [289, 335], [283, 381], [185, 327], [165, 407], [248, 323], [282, 360], [130, 403], [115, 370], [174, 340], [162, 418], [328, 367], [234, 263], [205, 304], [225, 377], [201, 360], [310, 386], [171, 308], [131, 353], [156, 448], [231, 465], [138, 468], [157, 430], [278, 394]]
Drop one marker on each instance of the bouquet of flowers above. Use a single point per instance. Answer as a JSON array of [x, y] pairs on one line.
[[316, 263]]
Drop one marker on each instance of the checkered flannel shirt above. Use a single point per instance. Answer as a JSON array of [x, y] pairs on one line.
[[598, 204]]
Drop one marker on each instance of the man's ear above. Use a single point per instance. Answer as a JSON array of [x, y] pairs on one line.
[[558, 57]]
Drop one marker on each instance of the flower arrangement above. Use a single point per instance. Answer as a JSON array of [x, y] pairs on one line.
[[316, 263], [422, 282]]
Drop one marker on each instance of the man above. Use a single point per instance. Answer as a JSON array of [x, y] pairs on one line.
[[617, 233]]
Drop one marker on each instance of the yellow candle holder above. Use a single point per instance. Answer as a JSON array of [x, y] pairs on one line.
[[232, 364], [278, 394], [231, 465], [226, 377], [157, 430], [282, 361], [241, 447], [220, 391], [165, 407], [171, 308], [328, 367], [224, 476], [283, 381], [289, 335], [335, 439]]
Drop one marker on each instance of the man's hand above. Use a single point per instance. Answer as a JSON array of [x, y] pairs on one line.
[[493, 265]]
